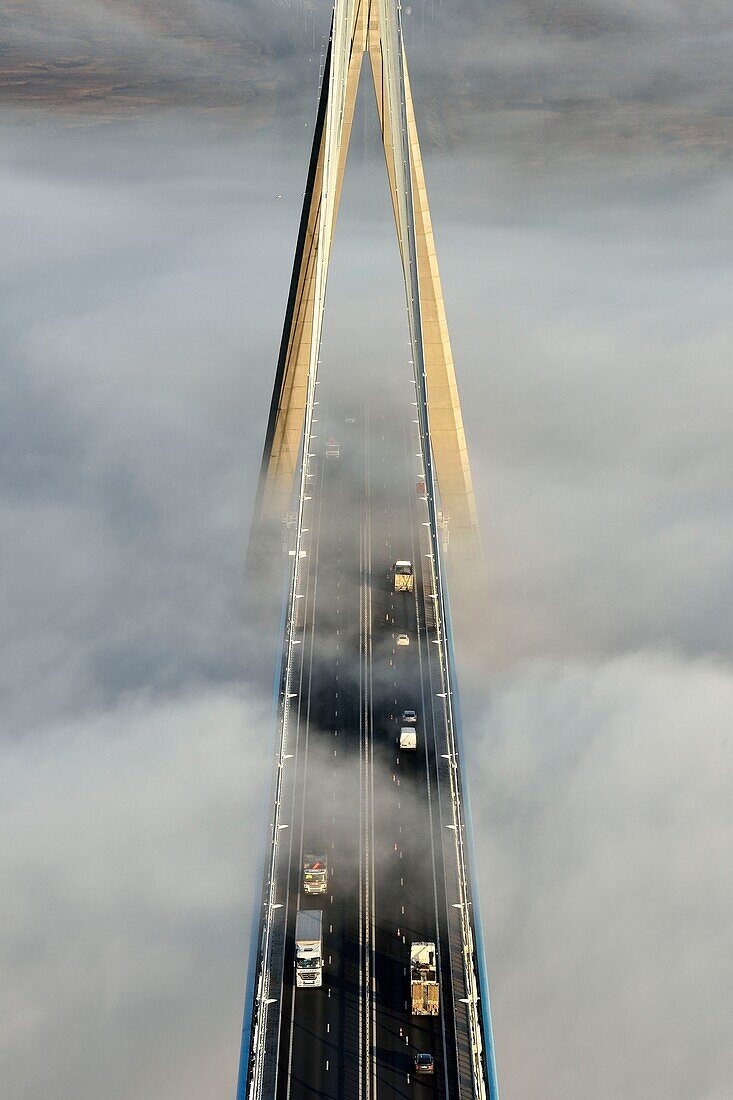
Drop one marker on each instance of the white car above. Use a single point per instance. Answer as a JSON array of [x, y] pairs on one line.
[[409, 717], [402, 639]]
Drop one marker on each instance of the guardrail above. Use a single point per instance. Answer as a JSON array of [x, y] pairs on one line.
[[480, 956], [256, 930], [480, 1041]]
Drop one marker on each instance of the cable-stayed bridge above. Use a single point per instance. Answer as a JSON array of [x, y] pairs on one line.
[[367, 978]]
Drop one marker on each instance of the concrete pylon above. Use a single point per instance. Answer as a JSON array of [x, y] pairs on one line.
[[359, 27]]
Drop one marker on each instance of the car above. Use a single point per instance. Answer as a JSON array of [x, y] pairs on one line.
[[350, 420], [402, 639], [409, 717], [424, 1063]]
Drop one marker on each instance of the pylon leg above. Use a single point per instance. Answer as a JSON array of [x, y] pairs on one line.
[[361, 23]]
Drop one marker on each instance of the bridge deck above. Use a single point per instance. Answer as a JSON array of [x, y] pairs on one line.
[[384, 817]]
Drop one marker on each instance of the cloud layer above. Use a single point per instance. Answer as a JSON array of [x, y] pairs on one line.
[[605, 831], [130, 873]]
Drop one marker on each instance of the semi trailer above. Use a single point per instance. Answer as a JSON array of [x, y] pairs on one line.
[[309, 948]]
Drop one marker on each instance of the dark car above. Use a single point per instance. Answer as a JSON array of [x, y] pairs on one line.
[[424, 1063]]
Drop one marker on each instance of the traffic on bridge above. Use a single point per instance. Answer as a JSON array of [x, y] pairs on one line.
[[367, 977]]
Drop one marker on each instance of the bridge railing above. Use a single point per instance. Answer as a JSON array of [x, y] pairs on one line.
[[475, 991]]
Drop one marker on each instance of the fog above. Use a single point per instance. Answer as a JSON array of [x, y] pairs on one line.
[[583, 231], [132, 838], [604, 832]]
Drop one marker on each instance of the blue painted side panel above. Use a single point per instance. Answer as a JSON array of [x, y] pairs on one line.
[[255, 932], [483, 974]]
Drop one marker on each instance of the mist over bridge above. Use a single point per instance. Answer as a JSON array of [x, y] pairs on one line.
[[367, 977]]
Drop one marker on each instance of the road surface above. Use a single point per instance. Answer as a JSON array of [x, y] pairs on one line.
[[379, 813]]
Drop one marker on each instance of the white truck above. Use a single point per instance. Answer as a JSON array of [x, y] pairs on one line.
[[424, 979], [403, 578], [309, 949], [315, 873], [408, 739]]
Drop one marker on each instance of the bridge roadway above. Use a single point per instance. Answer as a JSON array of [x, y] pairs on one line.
[[375, 810]]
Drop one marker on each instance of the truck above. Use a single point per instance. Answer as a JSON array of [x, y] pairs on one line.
[[315, 873], [408, 739], [403, 578], [309, 949], [424, 979]]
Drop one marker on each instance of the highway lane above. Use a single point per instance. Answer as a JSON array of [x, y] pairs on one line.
[[410, 889], [373, 809], [319, 1047]]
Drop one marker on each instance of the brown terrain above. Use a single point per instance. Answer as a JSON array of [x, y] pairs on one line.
[[534, 80], [107, 60]]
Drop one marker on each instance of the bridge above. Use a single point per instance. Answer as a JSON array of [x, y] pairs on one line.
[[369, 847]]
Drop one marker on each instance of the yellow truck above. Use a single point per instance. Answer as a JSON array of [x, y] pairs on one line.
[[403, 578], [424, 979]]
